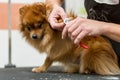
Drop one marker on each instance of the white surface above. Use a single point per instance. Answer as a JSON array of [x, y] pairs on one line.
[[75, 5], [112, 2], [3, 48], [22, 53]]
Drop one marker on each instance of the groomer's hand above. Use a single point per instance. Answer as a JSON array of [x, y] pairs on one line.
[[78, 28], [57, 13]]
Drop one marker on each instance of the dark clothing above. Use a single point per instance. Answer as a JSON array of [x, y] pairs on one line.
[[105, 12]]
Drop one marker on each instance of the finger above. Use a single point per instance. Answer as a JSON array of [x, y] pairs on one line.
[[64, 32], [63, 14], [73, 38], [55, 24], [76, 32], [75, 25], [80, 36], [68, 25]]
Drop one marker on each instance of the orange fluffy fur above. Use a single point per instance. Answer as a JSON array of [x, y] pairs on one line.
[[99, 58]]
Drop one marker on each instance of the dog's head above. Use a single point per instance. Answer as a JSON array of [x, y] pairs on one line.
[[33, 20]]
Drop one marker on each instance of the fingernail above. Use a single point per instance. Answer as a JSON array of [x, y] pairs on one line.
[[62, 37], [76, 42]]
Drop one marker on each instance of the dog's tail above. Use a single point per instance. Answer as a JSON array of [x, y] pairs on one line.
[[101, 60], [105, 65]]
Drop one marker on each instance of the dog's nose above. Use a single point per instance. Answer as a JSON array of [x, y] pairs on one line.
[[34, 36]]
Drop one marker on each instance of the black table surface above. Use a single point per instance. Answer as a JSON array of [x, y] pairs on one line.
[[53, 73]]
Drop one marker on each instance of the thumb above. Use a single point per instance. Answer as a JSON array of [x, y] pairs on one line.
[[63, 14]]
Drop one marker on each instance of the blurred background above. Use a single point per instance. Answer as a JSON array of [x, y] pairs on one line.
[[23, 55]]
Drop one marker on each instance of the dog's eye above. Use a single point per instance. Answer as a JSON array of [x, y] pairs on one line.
[[28, 28], [39, 25]]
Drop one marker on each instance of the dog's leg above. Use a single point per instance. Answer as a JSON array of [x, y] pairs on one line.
[[44, 67], [83, 68], [71, 68]]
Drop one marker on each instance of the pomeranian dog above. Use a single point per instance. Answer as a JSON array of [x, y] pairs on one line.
[[99, 58]]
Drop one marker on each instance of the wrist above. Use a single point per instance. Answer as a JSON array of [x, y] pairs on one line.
[[106, 29], [54, 3]]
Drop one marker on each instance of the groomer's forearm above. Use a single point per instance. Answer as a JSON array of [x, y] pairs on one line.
[[54, 2], [112, 31]]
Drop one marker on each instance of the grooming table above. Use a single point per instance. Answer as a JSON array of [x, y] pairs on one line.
[[53, 73]]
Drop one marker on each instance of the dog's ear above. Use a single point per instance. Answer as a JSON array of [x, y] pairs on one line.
[[21, 27], [23, 9], [49, 8]]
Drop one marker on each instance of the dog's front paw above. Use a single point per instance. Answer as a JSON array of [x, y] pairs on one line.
[[38, 69]]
